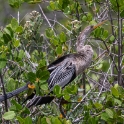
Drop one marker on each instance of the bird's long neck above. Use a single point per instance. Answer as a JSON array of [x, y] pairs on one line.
[[80, 41]]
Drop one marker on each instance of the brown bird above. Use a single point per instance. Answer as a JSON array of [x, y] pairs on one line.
[[65, 69]]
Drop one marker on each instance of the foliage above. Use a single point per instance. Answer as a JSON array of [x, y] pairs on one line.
[[26, 48]]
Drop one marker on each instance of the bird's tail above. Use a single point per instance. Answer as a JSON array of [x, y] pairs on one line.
[[13, 93], [39, 100]]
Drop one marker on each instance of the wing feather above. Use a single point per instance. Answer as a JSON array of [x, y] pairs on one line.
[[61, 75]]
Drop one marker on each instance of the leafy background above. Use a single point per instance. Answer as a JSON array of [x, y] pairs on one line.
[[35, 33]]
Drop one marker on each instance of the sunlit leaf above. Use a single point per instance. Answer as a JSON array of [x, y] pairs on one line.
[[112, 38], [115, 92], [109, 112], [104, 116], [98, 105], [57, 90], [62, 37], [21, 120], [14, 24], [66, 96], [2, 62], [19, 29], [31, 76], [55, 120], [16, 43], [9, 115], [28, 120], [59, 49], [49, 33]]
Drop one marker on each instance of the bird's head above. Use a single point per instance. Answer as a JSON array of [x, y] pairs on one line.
[[85, 33]]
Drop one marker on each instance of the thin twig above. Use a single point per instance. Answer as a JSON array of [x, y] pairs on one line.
[[82, 99], [109, 52], [45, 16], [4, 92], [61, 109], [119, 47]]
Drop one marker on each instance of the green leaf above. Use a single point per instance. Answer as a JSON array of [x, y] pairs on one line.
[[67, 10], [62, 37], [21, 120], [54, 41], [120, 90], [112, 38], [89, 17], [6, 38], [28, 120], [93, 22], [51, 5], [44, 86], [31, 77], [14, 24], [97, 32], [105, 34], [55, 120], [114, 92], [109, 112], [21, 54], [104, 116], [18, 106], [49, 33], [1, 34], [43, 120], [99, 66], [16, 43], [26, 110], [117, 101], [98, 105], [63, 4], [59, 50], [57, 90], [8, 30], [2, 62], [19, 29], [15, 3], [84, 18], [68, 122], [33, 1], [9, 115], [48, 121], [71, 89], [66, 97], [42, 74], [122, 14], [11, 84]]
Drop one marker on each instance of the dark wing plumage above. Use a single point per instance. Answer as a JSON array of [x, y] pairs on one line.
[[61, 73]]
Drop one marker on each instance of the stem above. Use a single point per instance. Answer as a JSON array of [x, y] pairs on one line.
[[84, 83], [119, 47], [112, 29], [4, 92]]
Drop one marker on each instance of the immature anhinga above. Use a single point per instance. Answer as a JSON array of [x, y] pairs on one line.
[[66, 68]]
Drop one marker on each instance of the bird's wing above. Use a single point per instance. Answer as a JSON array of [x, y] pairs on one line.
[[57, 62], [62, 75]]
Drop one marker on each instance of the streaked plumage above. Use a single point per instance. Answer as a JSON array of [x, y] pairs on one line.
[[66, 68], [63, 71]]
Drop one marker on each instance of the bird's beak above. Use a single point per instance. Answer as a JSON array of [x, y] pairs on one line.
[[99, 24]]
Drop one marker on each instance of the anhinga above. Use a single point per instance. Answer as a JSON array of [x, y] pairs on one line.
[[65, 69]]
